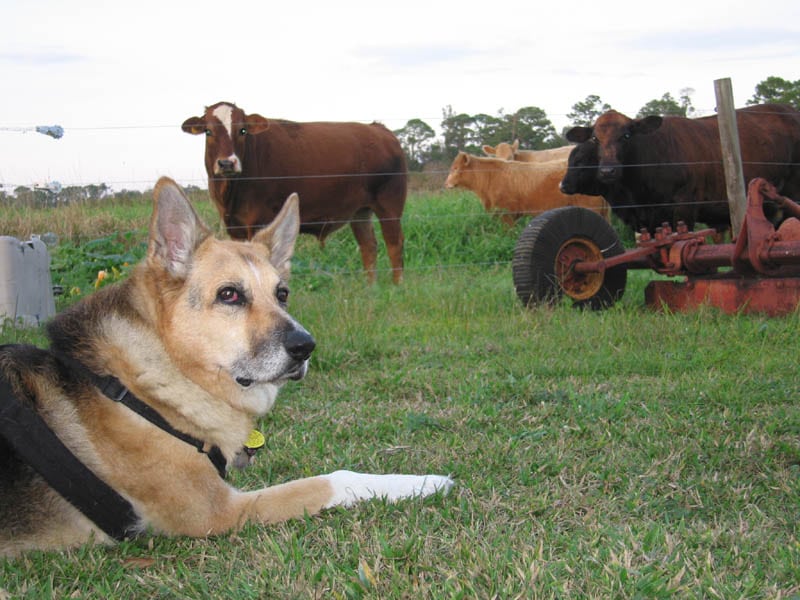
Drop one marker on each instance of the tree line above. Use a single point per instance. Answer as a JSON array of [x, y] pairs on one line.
[[52, 195], [45, 196], [534, 130]]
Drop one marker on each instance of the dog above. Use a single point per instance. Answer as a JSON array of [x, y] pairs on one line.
[[149, 389]]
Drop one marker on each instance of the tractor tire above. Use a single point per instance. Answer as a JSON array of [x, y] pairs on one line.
[[555, 240]]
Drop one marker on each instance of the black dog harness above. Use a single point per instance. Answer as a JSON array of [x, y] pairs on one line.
[[37, 444], [113, 389]]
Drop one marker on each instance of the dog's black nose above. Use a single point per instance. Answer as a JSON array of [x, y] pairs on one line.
[[299, 344]]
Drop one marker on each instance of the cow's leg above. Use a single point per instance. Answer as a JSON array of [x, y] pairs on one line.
[[393, 238], [361, 224]]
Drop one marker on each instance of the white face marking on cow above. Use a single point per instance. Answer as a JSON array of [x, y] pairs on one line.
[[224, 112]]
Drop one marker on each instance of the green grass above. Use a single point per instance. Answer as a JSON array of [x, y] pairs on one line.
[[617, 454]]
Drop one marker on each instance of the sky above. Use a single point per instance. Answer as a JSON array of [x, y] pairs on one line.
[[120, 77]]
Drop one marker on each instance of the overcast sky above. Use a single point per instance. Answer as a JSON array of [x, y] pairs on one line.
[[120, 77]]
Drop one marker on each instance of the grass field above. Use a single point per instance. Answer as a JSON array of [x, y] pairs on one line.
[[616, 454]]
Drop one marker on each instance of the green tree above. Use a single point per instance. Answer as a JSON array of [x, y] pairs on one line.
[[534, 130], [486, 129], [777, 89], [585, 113], [73, 194], [135, 195], [506, 129], [458, 133], [31, 197], [667, 105], [415, 138], [468, 133], [96, 191]]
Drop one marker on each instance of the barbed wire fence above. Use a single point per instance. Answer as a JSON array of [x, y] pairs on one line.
[[57, 132], [436, 174]]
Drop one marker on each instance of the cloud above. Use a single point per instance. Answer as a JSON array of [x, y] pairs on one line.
[[41, 58], [412, 57], [738, 39]]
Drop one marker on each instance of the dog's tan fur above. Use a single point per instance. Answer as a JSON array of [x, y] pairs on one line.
[[209, 366]]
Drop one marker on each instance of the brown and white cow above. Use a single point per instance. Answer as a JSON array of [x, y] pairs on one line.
[[658, 169], [516, 189], [343, 173]]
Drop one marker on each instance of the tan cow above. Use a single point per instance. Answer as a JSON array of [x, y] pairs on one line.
[[517, 189], [506, 151]]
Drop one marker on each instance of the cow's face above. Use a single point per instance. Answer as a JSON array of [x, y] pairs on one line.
[[612, 135], [226, 128], [503, 150], [460, 162], [581, 174]]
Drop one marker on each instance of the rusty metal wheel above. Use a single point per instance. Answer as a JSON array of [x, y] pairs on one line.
[[548, 248]]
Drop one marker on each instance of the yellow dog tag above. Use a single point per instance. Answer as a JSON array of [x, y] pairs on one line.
[[255, 440]]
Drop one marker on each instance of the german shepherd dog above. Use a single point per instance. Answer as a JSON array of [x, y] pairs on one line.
[[149, 390]]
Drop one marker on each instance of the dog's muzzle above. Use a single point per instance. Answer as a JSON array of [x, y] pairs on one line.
[[297, 345]]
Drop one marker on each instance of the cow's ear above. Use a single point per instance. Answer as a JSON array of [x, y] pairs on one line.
[[256, 123], [175, 229], [466, 158], [194, 125], [515, 145], [578, 134], [489, 150], [281, 235], [648, 124]]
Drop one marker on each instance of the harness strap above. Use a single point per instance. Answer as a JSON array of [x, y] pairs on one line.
[[19, 424], [113, 389]]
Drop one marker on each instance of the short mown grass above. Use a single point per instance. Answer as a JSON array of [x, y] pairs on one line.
[[618, 454]]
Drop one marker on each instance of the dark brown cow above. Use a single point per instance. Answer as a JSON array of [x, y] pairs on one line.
[[673, 165], [343, 173], [581, 178]]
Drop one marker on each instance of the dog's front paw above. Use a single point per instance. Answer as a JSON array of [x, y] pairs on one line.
[[349, 487]]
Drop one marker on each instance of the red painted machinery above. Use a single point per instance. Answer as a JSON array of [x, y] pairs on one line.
[[573, 252]]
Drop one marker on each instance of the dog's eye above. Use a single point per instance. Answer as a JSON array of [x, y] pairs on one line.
[[208, 133], [282, 294], [230, 295]]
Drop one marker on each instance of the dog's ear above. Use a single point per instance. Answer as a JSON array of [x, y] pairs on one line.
[[175, 229], [281, 234]]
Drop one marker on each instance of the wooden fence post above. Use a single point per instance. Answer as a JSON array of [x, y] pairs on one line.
[[731, 154]]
